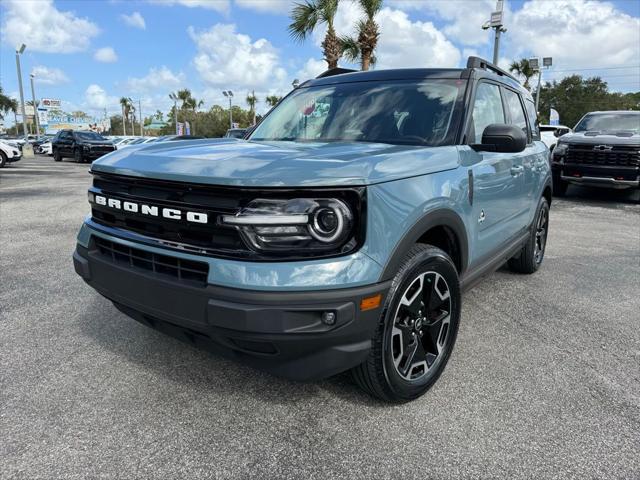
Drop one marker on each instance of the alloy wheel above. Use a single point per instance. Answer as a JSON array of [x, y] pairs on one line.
[[541, 235], [421, 326]]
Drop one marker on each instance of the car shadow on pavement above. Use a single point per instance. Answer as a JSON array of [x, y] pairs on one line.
[[602, 197], [201, 369]]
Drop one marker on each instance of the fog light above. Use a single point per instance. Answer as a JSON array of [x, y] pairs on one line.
[[328, 318]]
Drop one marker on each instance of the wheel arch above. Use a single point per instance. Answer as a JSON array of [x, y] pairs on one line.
[[441, 228]]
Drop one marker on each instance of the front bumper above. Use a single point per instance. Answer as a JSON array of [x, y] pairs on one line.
[[277, 331], [597, 176]]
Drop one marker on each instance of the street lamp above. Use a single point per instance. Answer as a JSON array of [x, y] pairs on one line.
[[534, 63], [20, 51], [229, 95], [295, 84], [496, 23], [35, 108]]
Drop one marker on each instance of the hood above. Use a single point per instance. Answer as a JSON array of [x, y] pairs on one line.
[[275, 164], [95, 142], [599, 138]]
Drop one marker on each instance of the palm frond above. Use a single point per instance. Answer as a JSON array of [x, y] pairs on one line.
[[350, 48], [371, 7], [305, 17]]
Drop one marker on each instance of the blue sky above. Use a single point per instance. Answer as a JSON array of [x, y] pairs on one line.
[[89, 53]]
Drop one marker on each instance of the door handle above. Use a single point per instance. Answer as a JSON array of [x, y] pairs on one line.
[[515, 171]]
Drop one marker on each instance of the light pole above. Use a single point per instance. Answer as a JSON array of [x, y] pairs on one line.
[[174, 97], [496, 23], [295, 84], [35, 108], [229, 95], [534, 63], [19, 52]]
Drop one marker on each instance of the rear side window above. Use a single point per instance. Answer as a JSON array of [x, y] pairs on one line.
[[533, 119], [516, 113], [487, 109]]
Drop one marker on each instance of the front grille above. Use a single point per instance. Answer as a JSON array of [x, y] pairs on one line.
[[619, 155], [176, 268], [211, 238]]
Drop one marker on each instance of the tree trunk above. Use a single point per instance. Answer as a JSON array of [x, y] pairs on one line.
[[366, 61], [331, 48], [124, 124]]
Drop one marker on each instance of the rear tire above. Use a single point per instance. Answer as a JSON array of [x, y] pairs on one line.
[[56, 156], [530, 257], [3, 159], [417, 328]]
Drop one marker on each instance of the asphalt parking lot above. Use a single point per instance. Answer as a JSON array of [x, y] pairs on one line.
[[544, 381]]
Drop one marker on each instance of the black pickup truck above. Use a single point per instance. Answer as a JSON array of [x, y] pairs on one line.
[[602, 151], [80, 145]]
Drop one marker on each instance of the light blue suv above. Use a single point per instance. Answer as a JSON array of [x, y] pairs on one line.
[[339, 235]]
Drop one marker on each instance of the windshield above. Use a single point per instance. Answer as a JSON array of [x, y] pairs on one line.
[[609, 122], [403, 113], [90, 136]]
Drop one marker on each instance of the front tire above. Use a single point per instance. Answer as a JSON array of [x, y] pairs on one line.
[[532, 254], [417, 328], [559, 186], [56, 156], [3, 159]]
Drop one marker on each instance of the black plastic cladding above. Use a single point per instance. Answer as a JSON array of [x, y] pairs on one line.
[[226, 200]]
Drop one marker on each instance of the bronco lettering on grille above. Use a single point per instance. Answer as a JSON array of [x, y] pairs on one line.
[[151, 210]]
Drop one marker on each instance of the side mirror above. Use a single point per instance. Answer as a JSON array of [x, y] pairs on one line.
[[502, 138], [558, 132]]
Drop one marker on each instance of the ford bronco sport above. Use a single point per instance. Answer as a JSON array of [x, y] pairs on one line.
[[339, 235]]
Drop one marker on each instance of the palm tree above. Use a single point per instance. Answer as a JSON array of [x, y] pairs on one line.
[[132, 118], [306, 16], [272, 100], [251, 101], [7, 104], [125, 104], [523, 69], [363, 47]]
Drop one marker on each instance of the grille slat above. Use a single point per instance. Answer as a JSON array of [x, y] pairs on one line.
[[185, 271], [619, 155]]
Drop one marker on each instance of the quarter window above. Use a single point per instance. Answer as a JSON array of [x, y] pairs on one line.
[[487, 109], [516, 113], [533, 119]]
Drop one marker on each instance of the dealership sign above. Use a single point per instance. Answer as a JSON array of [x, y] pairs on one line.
[[50, 103], [62, 121]]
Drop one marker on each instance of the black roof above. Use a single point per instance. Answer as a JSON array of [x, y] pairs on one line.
[[481, 68]]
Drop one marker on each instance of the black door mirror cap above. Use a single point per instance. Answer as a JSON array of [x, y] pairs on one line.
[[502, 138], [558, 132]]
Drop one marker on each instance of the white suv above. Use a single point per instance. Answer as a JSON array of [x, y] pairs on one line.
[[9, 153]]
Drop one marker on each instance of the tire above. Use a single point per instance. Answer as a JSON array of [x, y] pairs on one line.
[[3, 159], [77, 156], [56, 155], [559, 186], [530, 257], [389, 374]]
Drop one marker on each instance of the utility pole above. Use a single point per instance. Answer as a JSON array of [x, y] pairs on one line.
[[141, 117], [19, 52], [229, 95], [35, 108], [496, 22]]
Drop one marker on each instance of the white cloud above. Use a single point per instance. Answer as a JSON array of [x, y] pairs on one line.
[[49, 76], [157, 79], [96, 98], [44, 28], [277, 7], [135, 20], [404, 43], [312, 68], [218, 5], [575, 33], [105, 55], [229, 59]]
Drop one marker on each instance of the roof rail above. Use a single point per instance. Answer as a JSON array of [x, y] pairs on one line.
[[335, 71], [477, 62]]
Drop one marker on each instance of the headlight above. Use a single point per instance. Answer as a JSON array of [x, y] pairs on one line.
[[322, 225], [561, 149]]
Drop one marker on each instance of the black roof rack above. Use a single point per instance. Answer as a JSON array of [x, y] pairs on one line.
[[477, 62], [335, 71]]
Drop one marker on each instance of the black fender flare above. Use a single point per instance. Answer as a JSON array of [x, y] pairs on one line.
[[435, 218]]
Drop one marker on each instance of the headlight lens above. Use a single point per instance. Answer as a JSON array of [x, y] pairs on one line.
[[561, 149], [309, 224]]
